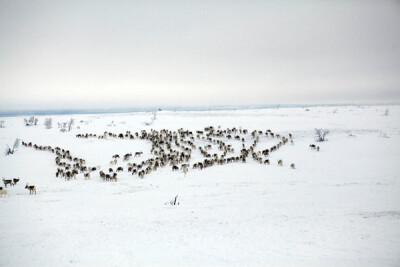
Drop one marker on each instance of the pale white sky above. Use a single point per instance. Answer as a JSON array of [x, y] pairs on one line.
[[110, 54]]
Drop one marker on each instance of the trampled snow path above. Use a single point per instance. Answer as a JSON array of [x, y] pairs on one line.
[[340, 206]]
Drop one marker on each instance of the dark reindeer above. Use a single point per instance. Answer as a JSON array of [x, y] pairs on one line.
[[31, 188], [6, 182]]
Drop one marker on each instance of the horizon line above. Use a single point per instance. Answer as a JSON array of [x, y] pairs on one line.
[[66, 111]]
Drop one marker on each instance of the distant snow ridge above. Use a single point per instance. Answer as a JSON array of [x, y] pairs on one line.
[[391, 213]]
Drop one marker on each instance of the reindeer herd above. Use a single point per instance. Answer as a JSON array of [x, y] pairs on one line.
[[13, 182], [169, 148], [175, 148]]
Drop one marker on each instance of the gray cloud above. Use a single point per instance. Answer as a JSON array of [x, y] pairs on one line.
[[84, 54]]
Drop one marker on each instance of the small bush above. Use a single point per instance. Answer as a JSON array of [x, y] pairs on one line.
[[351, 135], [48, 123], [320, 135], [70, 124], [386, 112], [383, 135], [173, 202], [32, 121], [66, 126], [14, 148]]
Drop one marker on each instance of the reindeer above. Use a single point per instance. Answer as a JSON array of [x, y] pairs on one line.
[[127, 156], [87, 176], [31, 188], [114, 177], [3, 192], [138, 154], [67, 176], [102, 175], [183, 166], [6, 182], [15, 180], [141, 174], [280, 162], [292, 166], [185, 169]]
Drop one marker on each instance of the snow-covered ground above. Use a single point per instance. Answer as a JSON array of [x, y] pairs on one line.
[[340, 206]]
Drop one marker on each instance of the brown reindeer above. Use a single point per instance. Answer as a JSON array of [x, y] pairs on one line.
[[3, 192], [127, 156], [185, 169]]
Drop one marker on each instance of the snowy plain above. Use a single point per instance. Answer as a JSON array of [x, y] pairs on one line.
[[339, 207]]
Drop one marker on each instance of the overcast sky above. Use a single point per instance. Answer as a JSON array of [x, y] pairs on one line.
[[109, 54]]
